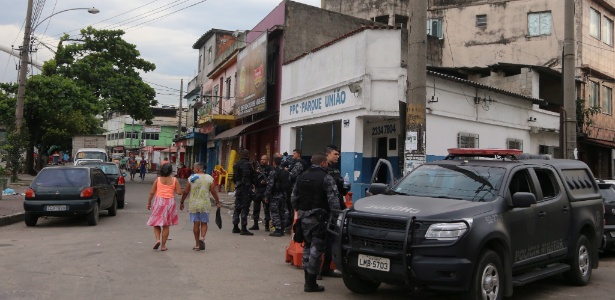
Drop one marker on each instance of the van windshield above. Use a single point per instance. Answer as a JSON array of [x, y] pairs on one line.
[[92, 155], [471, 183]]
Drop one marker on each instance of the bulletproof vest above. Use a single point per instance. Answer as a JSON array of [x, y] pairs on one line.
[[311, 192], [238, 172]]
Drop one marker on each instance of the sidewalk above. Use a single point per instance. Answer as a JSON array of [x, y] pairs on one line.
[[11, 206]]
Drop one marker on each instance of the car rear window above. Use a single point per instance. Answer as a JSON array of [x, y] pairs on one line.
[[107, 169], [62, 177]]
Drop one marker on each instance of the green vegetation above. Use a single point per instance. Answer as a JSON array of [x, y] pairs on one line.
[[89, 76]]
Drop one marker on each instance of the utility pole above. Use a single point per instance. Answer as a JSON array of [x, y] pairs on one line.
[[416, 93], [179, 120], [570, 110], [23, 69]]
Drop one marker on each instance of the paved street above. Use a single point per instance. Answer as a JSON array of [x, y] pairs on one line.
[[66, 259]]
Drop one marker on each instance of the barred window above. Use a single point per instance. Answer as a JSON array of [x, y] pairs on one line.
[[539, 23], [544, 149], [514, 144], [481, 20], [467, 140]]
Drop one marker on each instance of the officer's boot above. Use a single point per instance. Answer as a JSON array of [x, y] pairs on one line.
[[255, 226], [267, 228], [277, 233], [236, 228], [244, 230], [310, 285]]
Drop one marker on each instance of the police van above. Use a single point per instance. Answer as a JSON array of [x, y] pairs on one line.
[[474, 226]]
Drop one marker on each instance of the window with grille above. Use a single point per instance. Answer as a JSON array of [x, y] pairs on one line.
[[607, 31], [481, 20], [594, 94], [594, 23], [514, 144], [228, 87], [539, 23], [210, 56], [543, 149], [607, 100], [467, 140], [150, 136], [434, 27]]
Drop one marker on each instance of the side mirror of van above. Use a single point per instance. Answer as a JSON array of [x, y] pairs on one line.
[[522, 199]]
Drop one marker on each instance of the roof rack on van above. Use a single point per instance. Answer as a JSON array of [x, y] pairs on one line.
[[477, 152]]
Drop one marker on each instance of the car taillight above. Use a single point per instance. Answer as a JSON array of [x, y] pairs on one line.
[[87, 193], [121, 181], [30, 193]]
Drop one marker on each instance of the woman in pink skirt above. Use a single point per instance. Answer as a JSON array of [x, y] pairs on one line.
[[164, 211]]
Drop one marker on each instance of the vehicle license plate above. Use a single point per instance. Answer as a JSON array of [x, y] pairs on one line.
[[57, 207], [374, 262]]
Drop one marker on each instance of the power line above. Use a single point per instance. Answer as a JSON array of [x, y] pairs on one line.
[[170, 88], [108, 18], [154, 20], [145, 14]]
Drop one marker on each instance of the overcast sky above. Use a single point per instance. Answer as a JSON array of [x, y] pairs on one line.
[[163, 31]]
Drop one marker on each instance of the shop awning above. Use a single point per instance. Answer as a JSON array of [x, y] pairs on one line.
[[597, 142], [235, 131], [172, 150]]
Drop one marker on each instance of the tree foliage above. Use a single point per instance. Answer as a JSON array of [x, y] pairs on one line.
[[109, 66], [89, 76], [584, 117]]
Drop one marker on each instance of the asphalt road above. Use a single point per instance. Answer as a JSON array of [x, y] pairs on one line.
[[66, 259]]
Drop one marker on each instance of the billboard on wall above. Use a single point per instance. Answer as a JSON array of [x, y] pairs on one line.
[[252, 90]]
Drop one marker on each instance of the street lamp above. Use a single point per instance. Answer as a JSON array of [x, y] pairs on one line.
[[21, 90]]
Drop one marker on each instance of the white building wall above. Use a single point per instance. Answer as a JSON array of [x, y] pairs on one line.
[[495, 119]]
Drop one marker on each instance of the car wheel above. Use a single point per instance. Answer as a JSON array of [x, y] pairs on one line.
[[30, 219], [580, 264], [120, 203], [357, 284], [93, 215], [113, 209], [487, 281]]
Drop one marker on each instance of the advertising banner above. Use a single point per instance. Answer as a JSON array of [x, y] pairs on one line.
[[251, 65]]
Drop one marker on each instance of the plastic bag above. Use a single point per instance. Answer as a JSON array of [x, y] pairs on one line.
[[218, 218]]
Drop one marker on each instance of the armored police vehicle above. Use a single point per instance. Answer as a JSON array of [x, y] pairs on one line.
[[476, 226]]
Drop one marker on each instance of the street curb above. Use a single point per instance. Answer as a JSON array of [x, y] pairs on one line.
[[12, 219]]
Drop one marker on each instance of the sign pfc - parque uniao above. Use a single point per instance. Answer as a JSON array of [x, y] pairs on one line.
[[327, 101], [252, 67]]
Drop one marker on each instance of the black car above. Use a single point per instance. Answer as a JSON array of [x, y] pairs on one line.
[[69, 191], [608, 194], [115, 176]]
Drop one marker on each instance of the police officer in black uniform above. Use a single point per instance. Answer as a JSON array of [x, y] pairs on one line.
[[243, 174], [278, 183], [262, 172], [333, 156], [314, 196]]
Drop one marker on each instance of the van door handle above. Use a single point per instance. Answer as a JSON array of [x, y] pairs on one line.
[[542, 214], [565, 209]]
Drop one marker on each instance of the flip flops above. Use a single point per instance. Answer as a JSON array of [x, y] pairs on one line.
[[157, 245], [201, 245]]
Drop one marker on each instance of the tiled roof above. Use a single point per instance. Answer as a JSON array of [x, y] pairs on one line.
[[339, 38], [486, 87]]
